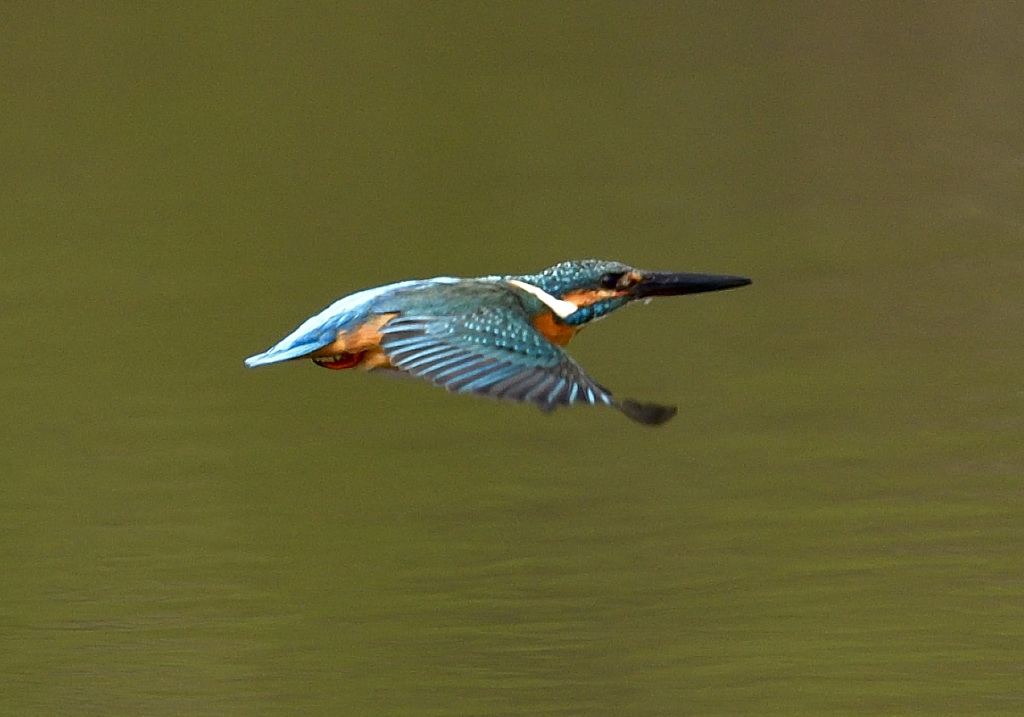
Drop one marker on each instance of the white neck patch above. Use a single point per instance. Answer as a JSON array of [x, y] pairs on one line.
[[561, 308]]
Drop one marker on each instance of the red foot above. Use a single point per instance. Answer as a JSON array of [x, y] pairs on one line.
[[339, 361]]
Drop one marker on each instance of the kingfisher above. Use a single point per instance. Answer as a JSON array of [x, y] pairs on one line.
[[497, 336]]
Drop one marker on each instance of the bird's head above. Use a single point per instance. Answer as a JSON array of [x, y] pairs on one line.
[[596, 287]]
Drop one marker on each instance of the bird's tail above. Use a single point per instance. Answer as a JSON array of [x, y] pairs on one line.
[[284, 353]]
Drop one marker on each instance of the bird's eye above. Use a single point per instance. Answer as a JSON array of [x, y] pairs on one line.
[[609, 281]]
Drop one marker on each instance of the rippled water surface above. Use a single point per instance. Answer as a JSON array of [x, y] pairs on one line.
[[832, 525]]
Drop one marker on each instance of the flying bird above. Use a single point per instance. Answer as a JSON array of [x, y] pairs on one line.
[[498, 336]]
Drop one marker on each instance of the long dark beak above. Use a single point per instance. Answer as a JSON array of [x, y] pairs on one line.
[[657, 283]]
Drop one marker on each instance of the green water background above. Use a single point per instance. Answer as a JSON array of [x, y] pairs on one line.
[[834, 524]]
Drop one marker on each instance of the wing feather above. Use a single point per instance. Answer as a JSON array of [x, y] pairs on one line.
[[493, 376], [493, 351], [427, 358]]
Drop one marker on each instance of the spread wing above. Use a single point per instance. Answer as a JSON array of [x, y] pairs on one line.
[[495, 351], [492, 351]]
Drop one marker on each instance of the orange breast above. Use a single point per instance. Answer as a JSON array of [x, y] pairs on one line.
[[553, 330]]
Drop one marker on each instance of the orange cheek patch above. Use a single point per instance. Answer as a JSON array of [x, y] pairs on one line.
[[586, 297]]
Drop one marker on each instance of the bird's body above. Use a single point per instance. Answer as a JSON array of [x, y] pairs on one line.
[[500, 336]]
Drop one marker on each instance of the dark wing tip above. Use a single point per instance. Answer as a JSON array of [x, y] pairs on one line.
[[649, 414]]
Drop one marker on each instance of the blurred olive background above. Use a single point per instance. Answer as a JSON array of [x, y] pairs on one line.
[[834, 524]]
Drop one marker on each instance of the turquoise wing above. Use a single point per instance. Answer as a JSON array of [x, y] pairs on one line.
[[492, 351]]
